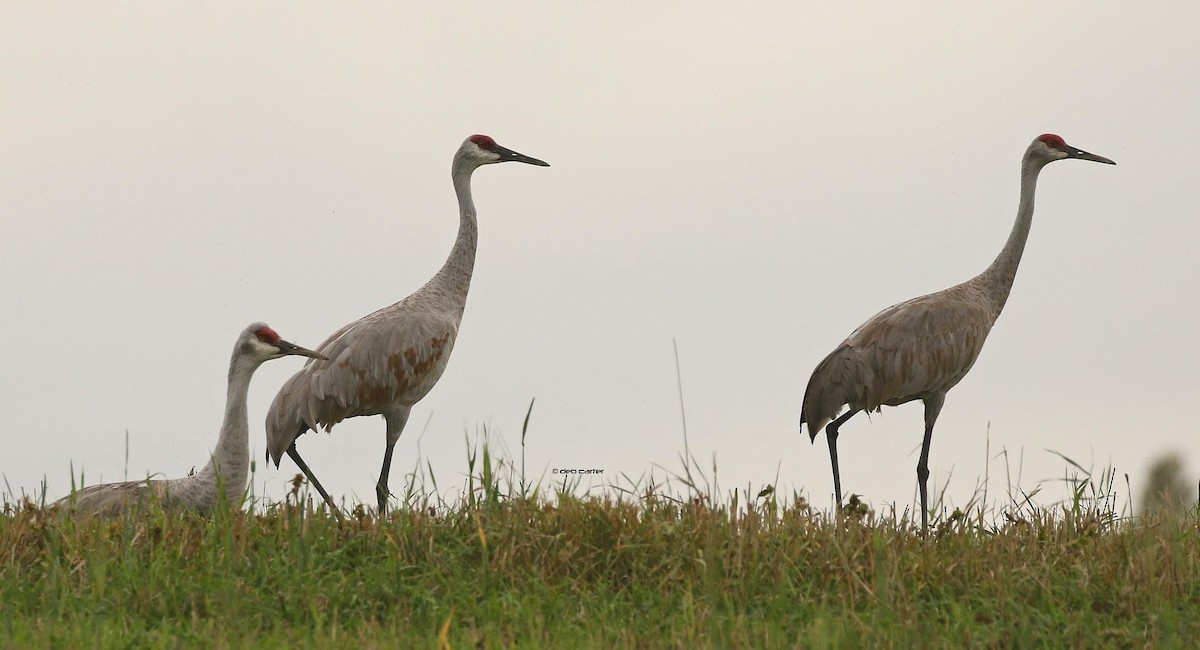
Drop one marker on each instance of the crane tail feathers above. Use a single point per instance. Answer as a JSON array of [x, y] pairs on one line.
[[815, 427], [838, 380], [285, 420]]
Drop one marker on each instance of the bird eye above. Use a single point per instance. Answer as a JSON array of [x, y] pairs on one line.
[[1052, 140], [484, 142], [267, 335]]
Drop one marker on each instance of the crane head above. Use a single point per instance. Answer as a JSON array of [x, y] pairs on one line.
[[1050, 147], [263, 343], [483, 150]]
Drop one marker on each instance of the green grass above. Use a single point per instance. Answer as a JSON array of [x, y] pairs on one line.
[[633, 567]]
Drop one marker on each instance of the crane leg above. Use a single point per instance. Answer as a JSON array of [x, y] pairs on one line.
[[295, 456], [933, 406], [395, 426], [381, 488], [831, 434]]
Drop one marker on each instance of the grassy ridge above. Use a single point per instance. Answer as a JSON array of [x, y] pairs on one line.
[[624, 570]]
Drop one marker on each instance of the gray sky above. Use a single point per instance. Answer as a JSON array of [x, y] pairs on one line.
[[753, 182]]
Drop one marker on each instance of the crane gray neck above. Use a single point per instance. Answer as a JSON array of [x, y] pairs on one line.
[[229, 465], [454, 279], [997, 279]]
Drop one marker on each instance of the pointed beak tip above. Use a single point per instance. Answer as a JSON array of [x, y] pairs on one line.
[[1084, 155]]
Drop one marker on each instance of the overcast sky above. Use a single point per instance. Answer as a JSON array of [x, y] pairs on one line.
[[752, 181]]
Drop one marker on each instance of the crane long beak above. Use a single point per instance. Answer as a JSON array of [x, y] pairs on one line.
[[286, 347], [1072, 152], [507, 155]]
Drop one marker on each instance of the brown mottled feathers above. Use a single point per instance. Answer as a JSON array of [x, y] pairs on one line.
[[393, 356]]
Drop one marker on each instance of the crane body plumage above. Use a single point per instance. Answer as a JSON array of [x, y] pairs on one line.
[[906, 352], [921, 348], [387, 361], [221, 481]]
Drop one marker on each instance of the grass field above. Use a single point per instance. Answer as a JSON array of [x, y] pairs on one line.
[[632, 568]]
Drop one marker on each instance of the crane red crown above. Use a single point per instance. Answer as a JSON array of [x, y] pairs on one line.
[[1052, 140], [267, 335], [484, 142]]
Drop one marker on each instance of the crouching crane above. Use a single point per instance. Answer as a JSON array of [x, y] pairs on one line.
[[223, 479]]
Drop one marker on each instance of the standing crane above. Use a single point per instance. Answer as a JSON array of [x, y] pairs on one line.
[[224, 478], [386, 362], [922, 348]]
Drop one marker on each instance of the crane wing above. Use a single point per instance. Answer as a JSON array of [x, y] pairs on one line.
[[391, 356], [109, 499], [917, 348], [920, 347]]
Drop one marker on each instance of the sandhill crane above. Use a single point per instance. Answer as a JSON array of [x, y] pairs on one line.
[[921, 348], [223, 480], [386, 362]]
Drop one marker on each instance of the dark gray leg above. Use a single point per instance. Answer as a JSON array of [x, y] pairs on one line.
[[395, 426], [933, 406], [381, 488], [831, 434], [295, 456]]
